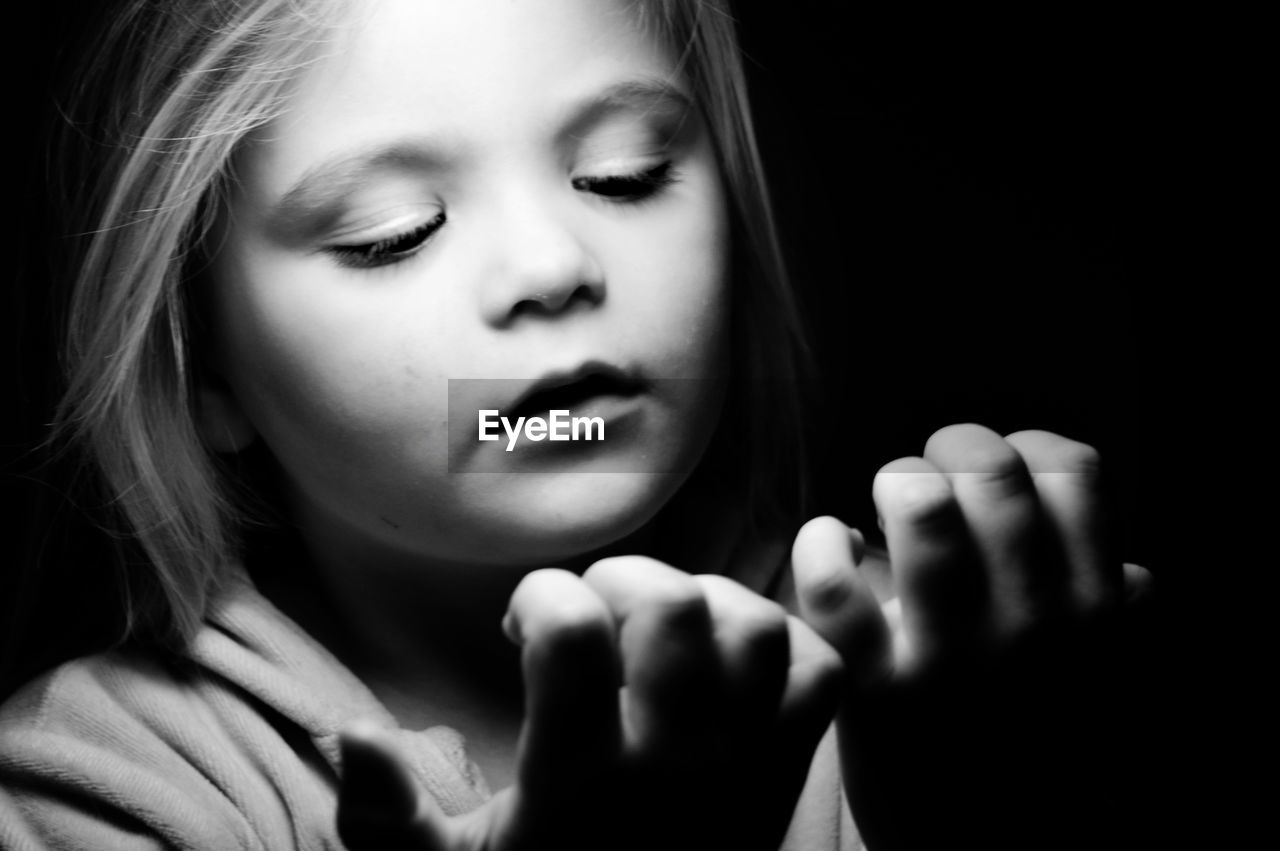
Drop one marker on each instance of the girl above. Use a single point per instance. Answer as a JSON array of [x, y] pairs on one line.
[[323, 241]]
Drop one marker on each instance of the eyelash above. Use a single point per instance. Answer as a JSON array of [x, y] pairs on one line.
[[617, 188], [624, 188], [384, 252]]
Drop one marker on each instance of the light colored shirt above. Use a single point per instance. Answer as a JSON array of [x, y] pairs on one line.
[[235, 746]]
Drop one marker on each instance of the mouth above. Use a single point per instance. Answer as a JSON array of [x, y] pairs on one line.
[[575, 389]]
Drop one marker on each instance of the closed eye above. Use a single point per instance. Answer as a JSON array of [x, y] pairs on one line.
[[628, 187], [392, 249]]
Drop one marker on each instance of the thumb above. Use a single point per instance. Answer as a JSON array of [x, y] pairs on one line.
[[379, 803], [836, 601]]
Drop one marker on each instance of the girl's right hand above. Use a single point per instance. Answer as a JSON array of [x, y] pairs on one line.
[[989, 702], [661, 710]]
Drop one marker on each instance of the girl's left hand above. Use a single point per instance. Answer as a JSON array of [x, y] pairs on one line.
[[663, 710], [980, 703]]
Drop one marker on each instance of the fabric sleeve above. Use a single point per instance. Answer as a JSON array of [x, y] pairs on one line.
[[822, 820], [106, 756]]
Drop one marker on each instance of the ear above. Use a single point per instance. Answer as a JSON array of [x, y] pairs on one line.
[[221, 421]]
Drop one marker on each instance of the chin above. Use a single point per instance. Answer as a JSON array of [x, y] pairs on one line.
[[577, 514]]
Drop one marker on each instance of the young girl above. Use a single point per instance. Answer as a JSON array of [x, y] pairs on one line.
[[322, 242]]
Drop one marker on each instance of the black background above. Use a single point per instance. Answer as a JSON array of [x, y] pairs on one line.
[[980, 209], [968, 202], [965, 201]]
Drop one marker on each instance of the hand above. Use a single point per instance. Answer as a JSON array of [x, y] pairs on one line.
[[981, 704], [663, 710]]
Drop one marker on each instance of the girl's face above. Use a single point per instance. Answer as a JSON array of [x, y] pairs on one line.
[[477, 190]]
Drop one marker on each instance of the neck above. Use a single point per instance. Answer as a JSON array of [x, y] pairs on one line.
[[425, 635]]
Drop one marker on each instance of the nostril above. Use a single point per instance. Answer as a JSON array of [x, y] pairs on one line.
[[587, 294], [555, 301]]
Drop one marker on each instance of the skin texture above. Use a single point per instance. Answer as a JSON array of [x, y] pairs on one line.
[[497, 112], [985, 700], [344, 371], [979, 701], [707, 746], [652, 698]]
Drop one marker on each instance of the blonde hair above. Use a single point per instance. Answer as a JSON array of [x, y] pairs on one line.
[[180, 83]]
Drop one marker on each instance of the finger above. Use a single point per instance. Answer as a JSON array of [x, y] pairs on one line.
[[815, 684], [572, 731], [940, 590], [1067, 481], [751, 637], [837, 602], [1138, 583], [674, 696], [379, 803], [995, 494]]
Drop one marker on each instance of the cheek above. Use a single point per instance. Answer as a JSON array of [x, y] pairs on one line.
[[326, 379], [674, 286]]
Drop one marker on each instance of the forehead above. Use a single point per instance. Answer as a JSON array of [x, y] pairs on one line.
[[460, 73]]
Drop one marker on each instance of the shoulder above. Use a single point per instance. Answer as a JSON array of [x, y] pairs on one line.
[[98, 702], [131, 748]]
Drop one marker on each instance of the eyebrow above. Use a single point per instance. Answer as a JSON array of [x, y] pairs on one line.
[[313, 200], [647, 95]]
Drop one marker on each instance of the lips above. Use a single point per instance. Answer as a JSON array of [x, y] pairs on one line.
[[570, 390]]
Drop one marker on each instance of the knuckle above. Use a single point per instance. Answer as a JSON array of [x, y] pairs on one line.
[[769, 618], [828, 669], [1018, 628], [574, 624], [1094, 598], [681, 605], [546, 578], [763, 630], [996, 459], [959, 434], [1078, 459], [1046, 452], [623, 568], [919, 499], [995, 470], [827, 590], [976, 456], [827, 672]]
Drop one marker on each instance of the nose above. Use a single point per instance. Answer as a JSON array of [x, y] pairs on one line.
[[540, 265]]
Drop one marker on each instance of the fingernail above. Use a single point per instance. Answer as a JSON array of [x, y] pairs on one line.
[[511, 628], [858, 544]]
